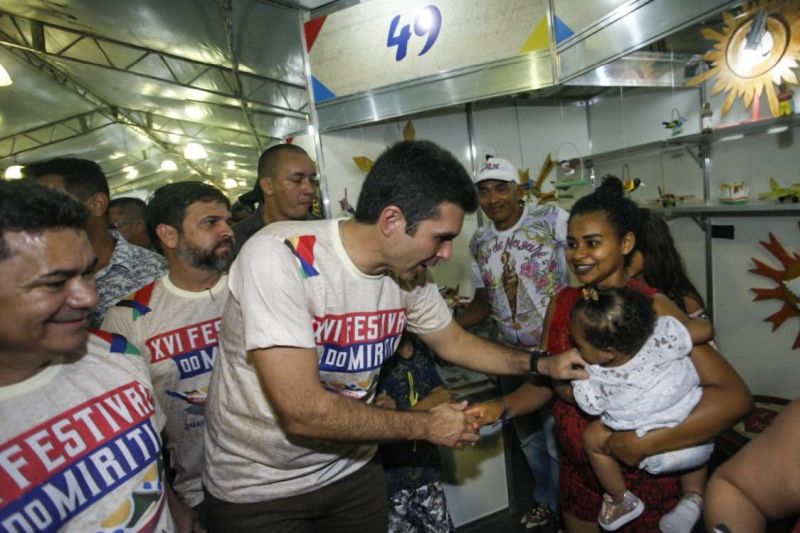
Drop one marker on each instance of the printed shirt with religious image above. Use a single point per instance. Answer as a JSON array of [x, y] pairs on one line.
[[521, 269], [293, 285], [177, 332], [80, 445]]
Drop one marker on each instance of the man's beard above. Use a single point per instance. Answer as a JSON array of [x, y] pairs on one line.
[[207, 260]]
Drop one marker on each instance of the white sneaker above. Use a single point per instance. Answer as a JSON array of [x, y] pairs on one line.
[[615, 515], [684, 516]]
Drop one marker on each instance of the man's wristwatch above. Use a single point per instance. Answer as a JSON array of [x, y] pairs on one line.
[[534, 366]]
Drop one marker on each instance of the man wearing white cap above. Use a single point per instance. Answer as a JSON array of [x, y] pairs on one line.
[[518, 264]]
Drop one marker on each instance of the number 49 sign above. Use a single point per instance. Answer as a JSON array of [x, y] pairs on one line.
[[427, 22]]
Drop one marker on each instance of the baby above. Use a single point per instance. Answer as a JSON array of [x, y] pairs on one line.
[[641, 378]]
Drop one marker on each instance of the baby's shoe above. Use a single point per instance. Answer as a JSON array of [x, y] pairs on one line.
[[684, 516], [615, 515], [538, 517]]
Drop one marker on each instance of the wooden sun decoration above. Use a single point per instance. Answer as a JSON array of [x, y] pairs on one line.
[[788, 280], [364, 164], [766, 68], [534, 188]]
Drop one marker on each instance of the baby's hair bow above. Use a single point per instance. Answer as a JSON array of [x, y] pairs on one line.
[[590, 294]]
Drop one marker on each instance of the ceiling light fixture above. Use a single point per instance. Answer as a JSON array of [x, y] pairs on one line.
[[168, 165], [194, 151], [14, 172], [195, 112], [230, 164], [5, 78], [229, 183], [752, 54], [758, 29], [130, 173]]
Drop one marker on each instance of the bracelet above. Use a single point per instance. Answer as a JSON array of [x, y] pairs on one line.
[[534, 362], [504, 415]]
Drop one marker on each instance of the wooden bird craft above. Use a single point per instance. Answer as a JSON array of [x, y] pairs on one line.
[[676, 124], [630, 185]]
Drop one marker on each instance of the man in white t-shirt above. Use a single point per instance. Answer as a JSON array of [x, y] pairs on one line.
[[314, 309], [175, 321], [79, 440], [518, 264]]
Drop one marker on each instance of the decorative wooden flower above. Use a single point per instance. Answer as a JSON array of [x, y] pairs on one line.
[[788, 280]]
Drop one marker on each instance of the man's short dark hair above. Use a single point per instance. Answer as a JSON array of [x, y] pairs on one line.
[[268, 166], [134, 207], [168, 204], [32, 208], [82, 178], [268, 162], [416, 176]]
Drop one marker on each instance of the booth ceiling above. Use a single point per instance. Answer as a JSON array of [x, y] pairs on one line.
[[129, 83]]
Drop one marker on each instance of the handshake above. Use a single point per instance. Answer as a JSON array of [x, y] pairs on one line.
[[456, 424], [450, 423]]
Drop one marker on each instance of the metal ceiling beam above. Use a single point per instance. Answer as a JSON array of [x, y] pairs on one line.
[[226, 11], [52, 133], [115, 114], [76, 125], [198, 130], [38, 37], [253, 109]]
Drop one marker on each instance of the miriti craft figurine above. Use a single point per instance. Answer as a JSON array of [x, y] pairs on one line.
[[675, 123], [735, 192], [782, 194], [785, 101]]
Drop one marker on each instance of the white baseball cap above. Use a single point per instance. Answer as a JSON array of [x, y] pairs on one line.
[[497, 168]]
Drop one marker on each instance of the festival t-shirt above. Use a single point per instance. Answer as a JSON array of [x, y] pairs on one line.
[[521, 268], [130, 268], [80, 445], [177, 332], [293, 284]]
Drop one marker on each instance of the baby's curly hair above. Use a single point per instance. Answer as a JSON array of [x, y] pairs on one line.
[[616, 319]]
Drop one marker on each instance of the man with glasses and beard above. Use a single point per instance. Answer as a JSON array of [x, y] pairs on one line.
[[175, 321]]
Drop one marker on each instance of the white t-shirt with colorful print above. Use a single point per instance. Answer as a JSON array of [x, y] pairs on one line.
[[521, 268], [294, 285], [177, 332], [80, 445]]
